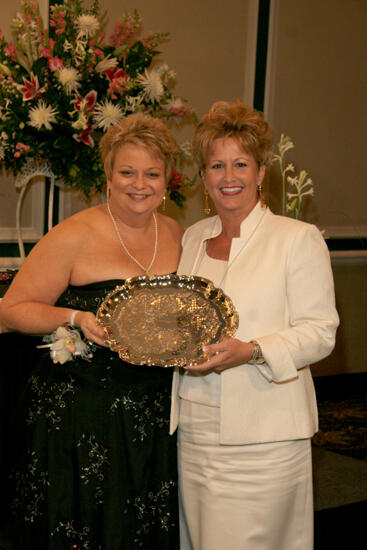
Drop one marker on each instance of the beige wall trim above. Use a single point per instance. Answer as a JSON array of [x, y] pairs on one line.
[[344, 257], [346, 231], [10, 263]]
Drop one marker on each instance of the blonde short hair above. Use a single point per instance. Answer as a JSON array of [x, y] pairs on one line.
[[144, 131], [238, 121]]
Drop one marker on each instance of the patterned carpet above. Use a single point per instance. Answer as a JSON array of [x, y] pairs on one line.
[[343, 427], [342, 404]]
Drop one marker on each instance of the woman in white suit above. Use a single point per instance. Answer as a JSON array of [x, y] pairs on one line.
[[246, 415]]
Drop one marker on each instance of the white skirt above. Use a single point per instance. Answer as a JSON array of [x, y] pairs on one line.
[[241, 497]]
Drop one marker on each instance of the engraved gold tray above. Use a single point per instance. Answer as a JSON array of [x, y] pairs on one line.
[[166, 319]]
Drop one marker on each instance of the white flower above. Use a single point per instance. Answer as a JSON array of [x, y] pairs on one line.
[[3, 116], [171, 75], [308, 192], [87, 25], [285, 144], [106, 64], [186, 149], [65, 344], [162, 68], [81, 123], [42, 115], [79, 52], [152, 84], [106, 114], [289, 168], [69, 77], [132, 103], [67, 45], [175, 103]]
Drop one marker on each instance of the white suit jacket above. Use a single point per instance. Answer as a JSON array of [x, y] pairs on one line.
[[280, 281]]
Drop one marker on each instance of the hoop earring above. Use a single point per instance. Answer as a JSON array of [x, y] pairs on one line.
[[207, 208], [260, 190], [108, 193], [164, 202]]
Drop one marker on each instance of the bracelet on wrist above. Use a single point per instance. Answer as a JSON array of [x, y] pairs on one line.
[[72, 318], [257, 356]]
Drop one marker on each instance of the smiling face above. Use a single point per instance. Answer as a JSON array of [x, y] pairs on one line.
[[231, 177], [138, 180]]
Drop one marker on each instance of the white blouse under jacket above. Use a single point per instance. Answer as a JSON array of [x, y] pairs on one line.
[[280, 281]]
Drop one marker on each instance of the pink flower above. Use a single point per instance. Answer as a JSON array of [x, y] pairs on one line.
[[148, 41], [21, 145], [125, 32], [113, 74], [55, 64], [116, 87], [85, 136], [11, 50], [31, 88], [85, 104], [45, 52], [97, 52], [58, 19], [21, 148], [180, 111], [117, 78]]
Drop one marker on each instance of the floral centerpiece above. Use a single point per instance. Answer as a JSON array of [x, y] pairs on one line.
[[62, 88]]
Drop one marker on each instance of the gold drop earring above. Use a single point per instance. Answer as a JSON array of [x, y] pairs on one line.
[[108, 193], [164, 202], [207, 208], [260, 190]]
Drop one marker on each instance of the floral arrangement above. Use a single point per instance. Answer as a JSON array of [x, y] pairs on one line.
[[299, 185], [62, 88], [65, 344]]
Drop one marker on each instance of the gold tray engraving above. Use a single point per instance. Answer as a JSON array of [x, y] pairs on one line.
[[165, 320]]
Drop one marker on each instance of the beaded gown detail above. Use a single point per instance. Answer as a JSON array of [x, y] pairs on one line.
[[97, 468]]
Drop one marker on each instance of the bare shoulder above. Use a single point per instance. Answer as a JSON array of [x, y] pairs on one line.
[[59, 248], [47, 269], [173, 226], [74, 231]]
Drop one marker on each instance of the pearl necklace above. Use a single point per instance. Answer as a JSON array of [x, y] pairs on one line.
[[145, 269]]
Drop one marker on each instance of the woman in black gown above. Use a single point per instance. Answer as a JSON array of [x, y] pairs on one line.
[[95, 468]]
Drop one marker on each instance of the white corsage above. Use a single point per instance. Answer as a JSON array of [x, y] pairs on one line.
[[65, 344]]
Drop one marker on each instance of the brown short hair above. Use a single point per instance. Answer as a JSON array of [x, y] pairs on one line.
[[235, 120], [144, 131]]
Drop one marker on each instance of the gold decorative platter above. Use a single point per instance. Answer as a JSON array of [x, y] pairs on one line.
[[165, 320]]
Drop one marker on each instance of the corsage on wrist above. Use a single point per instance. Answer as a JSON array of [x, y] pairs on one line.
[[65, 344]]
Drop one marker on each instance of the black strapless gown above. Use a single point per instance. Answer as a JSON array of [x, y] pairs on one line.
[[96, 467]]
